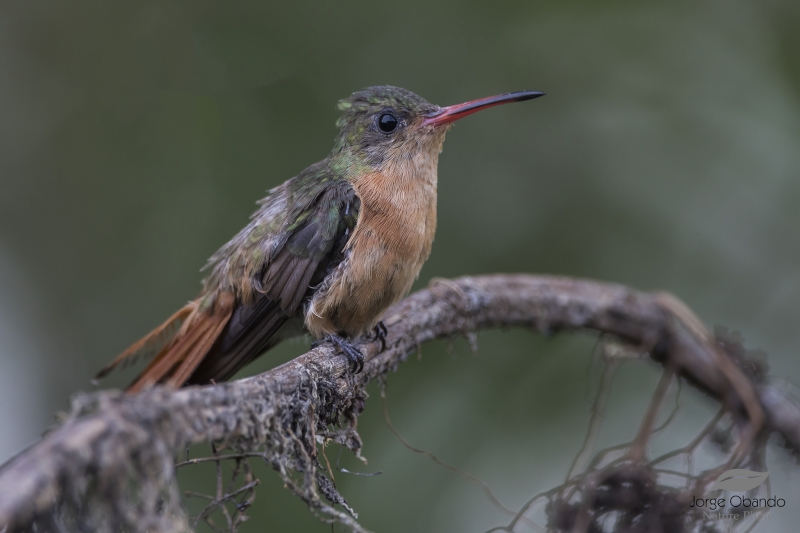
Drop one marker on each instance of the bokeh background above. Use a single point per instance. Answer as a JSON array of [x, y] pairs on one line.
[[135, 138]]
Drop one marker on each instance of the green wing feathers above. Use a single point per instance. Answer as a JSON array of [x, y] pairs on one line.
[[289, 275], [259, 281], [314, 248]]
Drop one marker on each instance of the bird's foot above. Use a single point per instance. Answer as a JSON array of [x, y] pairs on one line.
[[379, 334], [354, 355]]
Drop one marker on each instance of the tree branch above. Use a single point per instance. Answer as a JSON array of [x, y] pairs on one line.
[[86, 465]]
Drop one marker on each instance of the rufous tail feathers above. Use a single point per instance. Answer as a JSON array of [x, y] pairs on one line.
[[180, 344], [152, 343]]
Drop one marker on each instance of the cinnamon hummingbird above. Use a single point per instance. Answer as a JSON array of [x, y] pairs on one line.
[[326, 253]]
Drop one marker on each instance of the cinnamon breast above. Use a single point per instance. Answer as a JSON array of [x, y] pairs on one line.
[[383, 257]]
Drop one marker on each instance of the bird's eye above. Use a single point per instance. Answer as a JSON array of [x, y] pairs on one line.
[[387, 123]]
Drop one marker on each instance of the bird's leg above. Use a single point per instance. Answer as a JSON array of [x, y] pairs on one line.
[[380, 332], [353, 354]]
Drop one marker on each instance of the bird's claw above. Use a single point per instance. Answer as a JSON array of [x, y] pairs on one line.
[[354, 355], [379, 334]]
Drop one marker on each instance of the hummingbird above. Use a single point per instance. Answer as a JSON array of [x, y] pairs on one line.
[[326, 253]]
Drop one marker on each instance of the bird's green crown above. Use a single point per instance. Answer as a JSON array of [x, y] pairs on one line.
[[374, 99]]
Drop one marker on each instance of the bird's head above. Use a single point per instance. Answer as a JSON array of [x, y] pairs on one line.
[[380, 124]]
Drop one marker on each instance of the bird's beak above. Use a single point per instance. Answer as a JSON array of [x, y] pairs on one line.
[[452, 113]]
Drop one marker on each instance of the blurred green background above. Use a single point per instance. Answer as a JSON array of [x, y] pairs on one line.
[[136, 137]]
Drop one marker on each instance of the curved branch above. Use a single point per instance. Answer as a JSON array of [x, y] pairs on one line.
[[115, 436]]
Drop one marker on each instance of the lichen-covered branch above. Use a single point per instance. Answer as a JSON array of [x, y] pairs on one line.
[[116, 449]]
